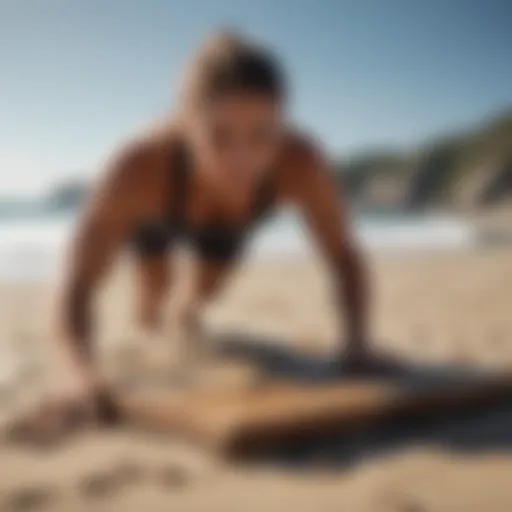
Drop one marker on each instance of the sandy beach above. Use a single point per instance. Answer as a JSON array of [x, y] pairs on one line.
[[439, 307]]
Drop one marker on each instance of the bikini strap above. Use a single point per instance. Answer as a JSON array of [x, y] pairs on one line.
[[179, 184]]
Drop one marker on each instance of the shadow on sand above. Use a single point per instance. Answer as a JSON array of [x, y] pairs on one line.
[[482, 428]]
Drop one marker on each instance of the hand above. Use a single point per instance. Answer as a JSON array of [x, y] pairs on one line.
[[72, 397], [71, 402]]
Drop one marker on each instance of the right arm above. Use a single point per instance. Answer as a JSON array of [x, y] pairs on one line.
[[105, 225]]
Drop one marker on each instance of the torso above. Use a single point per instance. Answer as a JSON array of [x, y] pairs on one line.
[[178, 212]]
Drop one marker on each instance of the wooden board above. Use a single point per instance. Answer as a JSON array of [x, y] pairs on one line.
[[241, 420]]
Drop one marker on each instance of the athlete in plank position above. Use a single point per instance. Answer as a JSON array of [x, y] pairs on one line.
[[207, 177]]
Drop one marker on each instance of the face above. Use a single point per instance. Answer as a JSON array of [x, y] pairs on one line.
[[236, 139]]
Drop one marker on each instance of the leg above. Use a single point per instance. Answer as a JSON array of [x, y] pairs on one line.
[[154, 279]]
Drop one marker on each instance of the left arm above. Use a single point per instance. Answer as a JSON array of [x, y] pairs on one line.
[[320, 201]]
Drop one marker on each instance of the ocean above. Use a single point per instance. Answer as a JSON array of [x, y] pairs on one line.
[[31, 245]]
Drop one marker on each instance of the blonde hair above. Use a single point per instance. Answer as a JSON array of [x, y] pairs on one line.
[[226, 63]]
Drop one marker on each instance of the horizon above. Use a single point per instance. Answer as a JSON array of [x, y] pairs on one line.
[[371, 78]]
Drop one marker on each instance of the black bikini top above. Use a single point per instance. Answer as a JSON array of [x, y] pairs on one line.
[[212, 240]]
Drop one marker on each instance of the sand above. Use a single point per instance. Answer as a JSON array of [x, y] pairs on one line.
[[439, 307]]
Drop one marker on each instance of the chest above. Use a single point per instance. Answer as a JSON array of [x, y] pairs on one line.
[[210, 232]]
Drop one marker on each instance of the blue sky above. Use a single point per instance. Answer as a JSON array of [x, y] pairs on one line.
[[78, 75]]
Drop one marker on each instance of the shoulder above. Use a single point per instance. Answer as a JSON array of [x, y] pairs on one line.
[[302, 148], [140, 159], [140, 152], [303, 155], [133, 176], [303, 159]]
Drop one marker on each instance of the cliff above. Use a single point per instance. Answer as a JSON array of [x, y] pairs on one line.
[[463, 171]]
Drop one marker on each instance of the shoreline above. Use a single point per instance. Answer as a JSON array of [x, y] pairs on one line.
[[33, 248]]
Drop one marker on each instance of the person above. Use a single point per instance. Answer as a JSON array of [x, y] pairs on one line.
[[221, 164]]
